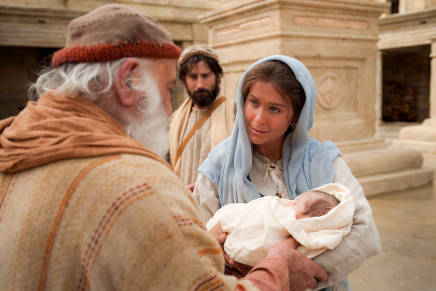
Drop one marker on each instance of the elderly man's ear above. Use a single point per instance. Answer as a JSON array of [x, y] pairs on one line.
[[123, 84]]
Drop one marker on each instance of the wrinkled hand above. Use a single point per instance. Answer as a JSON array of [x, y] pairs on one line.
[[303, 272], [234, 268], [218, 234]]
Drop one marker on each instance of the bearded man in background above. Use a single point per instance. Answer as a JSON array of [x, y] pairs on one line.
[[203, 120], [85, 200]]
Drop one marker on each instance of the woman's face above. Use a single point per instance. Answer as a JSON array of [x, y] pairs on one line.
[[267, 115]]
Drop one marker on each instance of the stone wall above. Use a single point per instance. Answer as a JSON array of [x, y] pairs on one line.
[[32, 30]]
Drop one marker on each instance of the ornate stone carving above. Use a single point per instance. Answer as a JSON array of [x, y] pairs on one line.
[[329, 95]]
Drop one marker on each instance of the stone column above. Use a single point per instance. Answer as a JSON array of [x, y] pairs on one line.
[[433, 80]]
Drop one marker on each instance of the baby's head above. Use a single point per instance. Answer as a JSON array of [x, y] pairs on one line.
[[313, 203]]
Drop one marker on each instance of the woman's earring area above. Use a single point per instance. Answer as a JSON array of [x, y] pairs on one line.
[[129, 84]]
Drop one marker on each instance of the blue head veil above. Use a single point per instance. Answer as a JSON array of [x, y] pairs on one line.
[[307, 163]]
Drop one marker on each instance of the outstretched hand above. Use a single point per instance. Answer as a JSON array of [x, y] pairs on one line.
[[303, 272], [218, 234], [232, 267]]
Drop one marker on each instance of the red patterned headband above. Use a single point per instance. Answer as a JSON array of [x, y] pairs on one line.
[[111, 52]]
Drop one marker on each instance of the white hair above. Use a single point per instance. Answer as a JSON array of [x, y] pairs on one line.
[[150, 126], [89, 80], [95, 81]]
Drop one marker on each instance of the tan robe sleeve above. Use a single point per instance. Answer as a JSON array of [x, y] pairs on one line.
[[206, 194]]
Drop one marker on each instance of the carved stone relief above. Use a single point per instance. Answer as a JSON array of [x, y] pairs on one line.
[[329, 90], [337, 91]]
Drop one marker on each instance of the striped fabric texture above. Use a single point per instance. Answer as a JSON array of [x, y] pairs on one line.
[[116, 222]]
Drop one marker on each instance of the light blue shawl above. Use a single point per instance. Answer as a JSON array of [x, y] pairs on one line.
[[307, 163]]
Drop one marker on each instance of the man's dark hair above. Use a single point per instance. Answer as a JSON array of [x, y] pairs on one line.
[[187, 66]]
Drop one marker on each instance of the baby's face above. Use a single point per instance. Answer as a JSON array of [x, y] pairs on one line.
[[299, 205]]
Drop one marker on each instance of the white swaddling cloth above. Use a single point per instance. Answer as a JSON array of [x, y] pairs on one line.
[[256, 226]]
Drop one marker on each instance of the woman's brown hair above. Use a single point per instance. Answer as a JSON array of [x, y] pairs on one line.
[[284, 81]]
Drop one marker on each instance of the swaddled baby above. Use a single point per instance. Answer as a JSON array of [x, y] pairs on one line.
[[318, 219]]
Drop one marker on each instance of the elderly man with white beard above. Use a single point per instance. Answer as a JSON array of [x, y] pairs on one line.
[[86, 202]]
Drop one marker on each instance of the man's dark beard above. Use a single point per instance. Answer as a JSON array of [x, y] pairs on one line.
[[203, 97]]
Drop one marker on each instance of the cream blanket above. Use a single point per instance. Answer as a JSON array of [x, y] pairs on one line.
[[256, 226]]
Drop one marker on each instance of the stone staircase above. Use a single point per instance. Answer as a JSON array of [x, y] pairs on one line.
[[381, 168]]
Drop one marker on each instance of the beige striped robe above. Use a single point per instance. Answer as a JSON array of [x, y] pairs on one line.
[[117, 222]]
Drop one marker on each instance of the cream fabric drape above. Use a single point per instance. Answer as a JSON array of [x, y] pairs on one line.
[[256, 226], [211, 133]]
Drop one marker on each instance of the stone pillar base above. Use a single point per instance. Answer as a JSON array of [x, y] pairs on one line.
[[421, 138], [389, 169], [361, 145]]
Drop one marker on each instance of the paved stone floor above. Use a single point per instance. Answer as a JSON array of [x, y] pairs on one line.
[[407, 226]]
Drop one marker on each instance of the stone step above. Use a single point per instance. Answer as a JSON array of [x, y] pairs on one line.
[[384, 160], [423, 132], [361, 145], [421, 138], [396, 181], [418, 145], [388, 169]]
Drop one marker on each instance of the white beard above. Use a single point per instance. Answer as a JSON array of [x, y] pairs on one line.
[[150, 124]]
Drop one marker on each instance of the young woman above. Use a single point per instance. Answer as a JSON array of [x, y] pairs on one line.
[[270, 153]]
